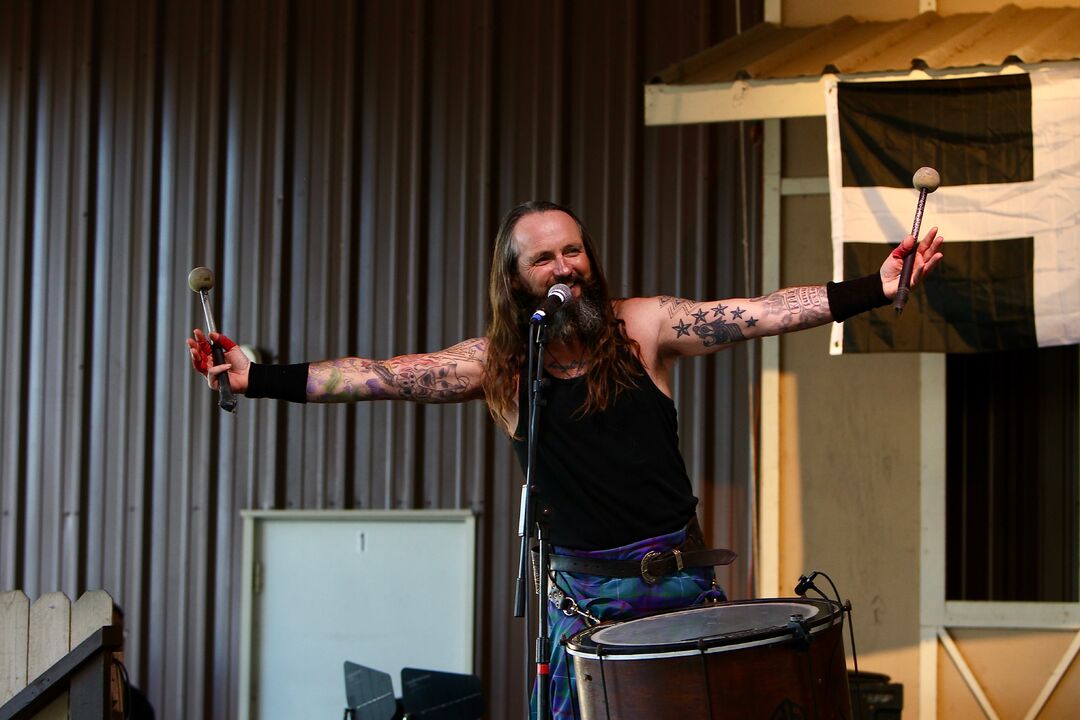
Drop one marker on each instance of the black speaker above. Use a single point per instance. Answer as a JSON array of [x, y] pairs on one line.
[[426, 695], [873, 697], [369, 694], [431, 695]]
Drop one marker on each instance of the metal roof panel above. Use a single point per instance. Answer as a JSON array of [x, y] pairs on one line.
[[929, 41]]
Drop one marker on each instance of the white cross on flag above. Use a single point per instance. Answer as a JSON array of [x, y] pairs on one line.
[[1008, 151]]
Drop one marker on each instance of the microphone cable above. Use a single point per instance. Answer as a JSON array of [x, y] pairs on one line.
[[806, 582]]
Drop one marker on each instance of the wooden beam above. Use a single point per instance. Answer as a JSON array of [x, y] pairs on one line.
[[777, 99], [57, 677], [739, 100]]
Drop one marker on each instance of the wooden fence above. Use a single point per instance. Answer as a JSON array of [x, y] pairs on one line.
[[56, 658]]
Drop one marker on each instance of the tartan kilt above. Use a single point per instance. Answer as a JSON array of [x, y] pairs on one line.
[[607, 599]]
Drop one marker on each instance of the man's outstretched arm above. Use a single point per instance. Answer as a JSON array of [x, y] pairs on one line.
[[451, 375], [683, 327]]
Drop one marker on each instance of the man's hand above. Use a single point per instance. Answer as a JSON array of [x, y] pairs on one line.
[[927, 255], [236, 362]]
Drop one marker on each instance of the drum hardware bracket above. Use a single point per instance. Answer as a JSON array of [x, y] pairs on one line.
[[568, 605], [799, 629]]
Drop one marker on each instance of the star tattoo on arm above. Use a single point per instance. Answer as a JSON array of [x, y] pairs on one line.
[[681, 329]]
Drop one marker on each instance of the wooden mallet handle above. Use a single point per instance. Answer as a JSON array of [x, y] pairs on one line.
[[926, 180], [201, 280]]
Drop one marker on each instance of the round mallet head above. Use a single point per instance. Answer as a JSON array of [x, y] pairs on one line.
[[201, 279], [926, 178]]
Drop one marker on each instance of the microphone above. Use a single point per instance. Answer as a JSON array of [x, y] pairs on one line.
[[557, 295], [805, 583]]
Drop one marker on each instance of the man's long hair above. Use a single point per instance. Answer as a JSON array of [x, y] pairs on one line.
[[611, 363]]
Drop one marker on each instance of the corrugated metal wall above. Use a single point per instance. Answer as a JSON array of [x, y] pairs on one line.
[[342, 166]]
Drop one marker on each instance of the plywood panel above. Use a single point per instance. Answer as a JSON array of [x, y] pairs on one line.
[[849, 488], [954, 698], [1012, 666], [1066, 697]]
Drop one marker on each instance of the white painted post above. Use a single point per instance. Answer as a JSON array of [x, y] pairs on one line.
[[932, 526], [928, 672], [768, 564]]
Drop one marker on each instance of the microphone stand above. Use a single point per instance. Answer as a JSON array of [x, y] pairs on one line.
[[526, 521]]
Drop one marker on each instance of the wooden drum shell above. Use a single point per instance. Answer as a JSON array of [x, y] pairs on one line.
[[767, 675]]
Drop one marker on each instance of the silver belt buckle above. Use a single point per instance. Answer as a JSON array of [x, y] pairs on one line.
[[649, 557]]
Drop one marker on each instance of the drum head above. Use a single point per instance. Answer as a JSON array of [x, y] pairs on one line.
[[712, 626]]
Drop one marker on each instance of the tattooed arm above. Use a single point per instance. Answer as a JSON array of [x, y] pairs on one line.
[[684, 327], [672, 326], [450, 375]]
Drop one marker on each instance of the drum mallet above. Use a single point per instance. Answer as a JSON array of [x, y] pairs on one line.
[[201, 280], [926, 180]]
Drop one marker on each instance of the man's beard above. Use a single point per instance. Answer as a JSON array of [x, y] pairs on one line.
[[579, 319]]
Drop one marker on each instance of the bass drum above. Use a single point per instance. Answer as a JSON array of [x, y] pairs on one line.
[[752, 659]]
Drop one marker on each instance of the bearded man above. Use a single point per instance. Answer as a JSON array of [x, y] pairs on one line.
[[614, 485]]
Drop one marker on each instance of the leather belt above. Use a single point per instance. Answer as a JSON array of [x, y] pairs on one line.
[[650, 568]]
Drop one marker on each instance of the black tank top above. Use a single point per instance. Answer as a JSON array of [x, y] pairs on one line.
[[607, 478]]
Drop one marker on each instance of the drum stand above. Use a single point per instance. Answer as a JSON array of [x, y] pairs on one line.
[[527, 521]]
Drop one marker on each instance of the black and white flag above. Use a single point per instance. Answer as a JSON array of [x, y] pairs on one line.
[[1007, 148]]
